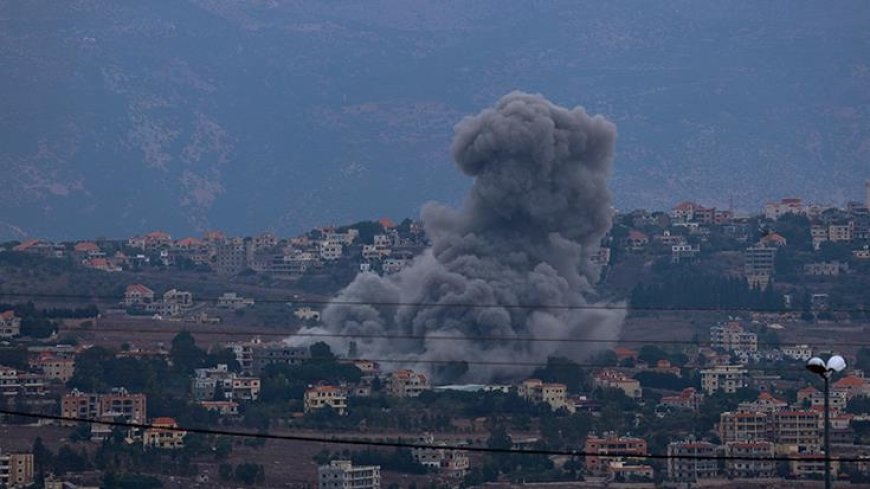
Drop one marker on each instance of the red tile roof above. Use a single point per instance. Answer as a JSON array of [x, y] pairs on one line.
[[86, 246]]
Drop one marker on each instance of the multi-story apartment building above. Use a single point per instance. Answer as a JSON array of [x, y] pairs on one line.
[[743, 426], [262, 355], [797, 352], [207, 382], [342, 474], [16, 469], [758, 264], [14, 383], [732, 337], [797, 429], [330, 250], [322, 396], [703, 466], [407, 383], [841, 232], [811, 466], [748, 459], [723, 378], [231, 256], [611, 444], [119, 402], [10, 325]]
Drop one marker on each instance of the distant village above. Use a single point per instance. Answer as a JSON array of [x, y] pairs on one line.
[[735, 390]]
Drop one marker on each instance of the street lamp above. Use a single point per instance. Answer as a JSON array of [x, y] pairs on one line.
[[824, 369]]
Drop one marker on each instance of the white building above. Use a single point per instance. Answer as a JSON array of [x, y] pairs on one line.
[[342, 474], [798, 352], [330, 250], [231, 300]]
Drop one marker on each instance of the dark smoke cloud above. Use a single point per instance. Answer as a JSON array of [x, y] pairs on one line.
[[536, 212]]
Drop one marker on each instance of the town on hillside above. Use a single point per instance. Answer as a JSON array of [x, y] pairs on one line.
[[138, 362]]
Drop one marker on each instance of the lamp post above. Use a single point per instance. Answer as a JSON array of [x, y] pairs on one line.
[[818, 366]]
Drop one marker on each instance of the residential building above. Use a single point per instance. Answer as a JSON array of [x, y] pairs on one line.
[[164, 434], [749, 459], [682, 253], [743, 426], [637, 240], [264, 354], [224, 408], [758, 264], [798, 428], [797, 352], [231, 256], [10, 325], [819, 235], [841, 232], [322, 396], [232, 300], [724, 378], [620, 471], [438, 457], [342, 474], [14, 383], [119, 402], [553, 394], [732, 337], [826, 269], [765, 403], [137, 294], [209, 382], [703, 466], [183, 298], [330, 251], [853, 385], [689, 398], [54, 367], [16, 469], [774, 210], [811, 466], [614, 379], [617, 447], [407, 383]]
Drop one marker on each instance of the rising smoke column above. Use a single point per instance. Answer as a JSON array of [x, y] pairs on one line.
[[536, 212]]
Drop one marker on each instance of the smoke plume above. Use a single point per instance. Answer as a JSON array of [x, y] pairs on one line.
[[520, 244]]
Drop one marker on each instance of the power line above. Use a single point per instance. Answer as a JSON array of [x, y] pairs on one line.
[[399, 444], [400, 336], [322, 302]]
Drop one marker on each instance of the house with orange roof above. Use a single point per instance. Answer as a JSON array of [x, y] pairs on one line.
[[614, 379], [26, 246], [637, 240], [87, 249], [853, 386], [10, 325], [321, 396], [138, 294], [773, 240], [622, 353], [407, 383], [688, 398], [164, 433]]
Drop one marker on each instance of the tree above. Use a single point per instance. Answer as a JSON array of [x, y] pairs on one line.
[[250, 473], [184, 353]]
